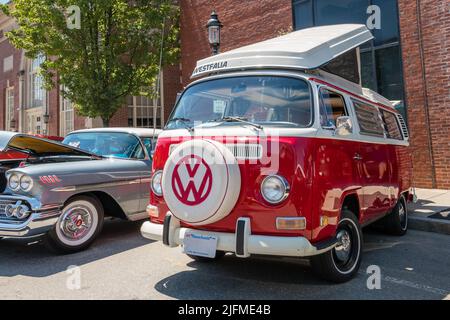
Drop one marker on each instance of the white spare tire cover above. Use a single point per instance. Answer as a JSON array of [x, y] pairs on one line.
[[201, 182]]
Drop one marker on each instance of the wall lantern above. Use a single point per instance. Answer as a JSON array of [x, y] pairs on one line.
[[46, 118], [214, 27]]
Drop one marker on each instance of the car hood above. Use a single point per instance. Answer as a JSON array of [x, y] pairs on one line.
[[38, 147]]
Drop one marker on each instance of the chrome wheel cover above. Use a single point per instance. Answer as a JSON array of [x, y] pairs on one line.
[[77, 223]]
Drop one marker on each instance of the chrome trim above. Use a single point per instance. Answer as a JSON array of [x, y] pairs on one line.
[[286, 185]]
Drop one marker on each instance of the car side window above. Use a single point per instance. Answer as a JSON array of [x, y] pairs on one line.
[[391, 125], [369, 119], [332, 106], [138, 152], [148, 143]]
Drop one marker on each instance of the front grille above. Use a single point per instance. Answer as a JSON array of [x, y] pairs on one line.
[[3, 217], [241, 151]]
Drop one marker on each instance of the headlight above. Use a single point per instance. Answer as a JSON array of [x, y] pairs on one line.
[[156, 183], [274, 189], [14, 181], [26, 183]]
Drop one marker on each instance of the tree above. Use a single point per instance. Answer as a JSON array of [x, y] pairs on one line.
[[114, 53]]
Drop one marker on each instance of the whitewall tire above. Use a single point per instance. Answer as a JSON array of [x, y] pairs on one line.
[[80, 222]]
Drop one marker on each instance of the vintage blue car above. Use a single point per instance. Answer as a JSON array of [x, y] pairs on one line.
[[62, 191]]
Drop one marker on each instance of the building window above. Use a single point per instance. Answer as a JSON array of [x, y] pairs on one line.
[[37, 91], [145, 112], [9, 103], [381, 67], [66, 116]]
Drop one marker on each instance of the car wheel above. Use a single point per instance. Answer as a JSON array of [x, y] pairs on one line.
[[396, 222], [341, 263], [80, 222], [219, 255]]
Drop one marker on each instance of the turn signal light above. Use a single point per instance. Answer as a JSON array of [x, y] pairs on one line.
[[152, 211], [291, 223]]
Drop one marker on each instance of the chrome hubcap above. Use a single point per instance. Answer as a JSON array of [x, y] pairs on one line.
[[344, 245], [76, 223]]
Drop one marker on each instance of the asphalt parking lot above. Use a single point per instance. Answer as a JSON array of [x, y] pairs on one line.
[[123, 265]]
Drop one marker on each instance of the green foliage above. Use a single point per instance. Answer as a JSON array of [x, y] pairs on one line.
[[116, 52]]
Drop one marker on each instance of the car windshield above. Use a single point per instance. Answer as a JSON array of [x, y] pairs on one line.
[[107, 144], [265, 100]]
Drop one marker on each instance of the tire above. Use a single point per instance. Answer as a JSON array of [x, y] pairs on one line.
[[396, 222], [340, 264], [219, 255], [79, 224]]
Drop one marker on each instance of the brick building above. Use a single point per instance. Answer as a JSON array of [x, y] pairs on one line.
[[26, 107], [408, 61]]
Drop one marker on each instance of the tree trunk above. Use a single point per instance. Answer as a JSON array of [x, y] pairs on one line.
[[105, 122]]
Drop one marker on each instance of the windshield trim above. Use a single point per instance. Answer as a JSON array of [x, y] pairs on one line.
[[280, 74]]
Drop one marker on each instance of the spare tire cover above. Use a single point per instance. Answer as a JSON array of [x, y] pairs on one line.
[[201, 181]]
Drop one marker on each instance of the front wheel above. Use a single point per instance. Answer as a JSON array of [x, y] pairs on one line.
[[79, 224], [341, 263]]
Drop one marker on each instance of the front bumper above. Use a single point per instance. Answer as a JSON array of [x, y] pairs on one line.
[[242, 243], [40, 221]]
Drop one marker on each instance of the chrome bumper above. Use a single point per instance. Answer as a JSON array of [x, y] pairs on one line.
[[41, 220], [242, 243]]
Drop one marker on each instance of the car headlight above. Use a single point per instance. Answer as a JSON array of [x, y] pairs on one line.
[[26, 183], [14, 182], [274, 189], [156, 183]]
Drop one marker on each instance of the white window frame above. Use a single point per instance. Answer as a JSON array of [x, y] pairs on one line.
[[9, 107], [34, 81], [152, 105], [67, 116]]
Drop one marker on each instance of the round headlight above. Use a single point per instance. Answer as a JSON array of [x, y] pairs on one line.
[[26, 183], [156, 183], [274, 189], [14, 181]]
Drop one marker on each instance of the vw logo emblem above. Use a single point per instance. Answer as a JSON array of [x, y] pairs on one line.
[[192, 180]]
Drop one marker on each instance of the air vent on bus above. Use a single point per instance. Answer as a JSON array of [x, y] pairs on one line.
[[403, 126], [241, 151]]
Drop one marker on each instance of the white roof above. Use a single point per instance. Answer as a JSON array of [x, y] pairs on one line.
[[141, 132], [304, 49]]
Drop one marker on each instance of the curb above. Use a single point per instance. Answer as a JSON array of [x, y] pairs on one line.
[[429, 224]]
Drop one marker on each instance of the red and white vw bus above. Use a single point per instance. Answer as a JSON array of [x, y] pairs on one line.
[[270, 154]]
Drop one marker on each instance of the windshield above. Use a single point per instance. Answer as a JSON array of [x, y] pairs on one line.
[[107, 144], [266, 100]]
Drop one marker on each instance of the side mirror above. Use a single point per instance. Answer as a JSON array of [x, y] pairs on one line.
[[344, 126]]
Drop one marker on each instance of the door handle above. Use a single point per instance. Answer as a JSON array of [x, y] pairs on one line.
[[357, 156]]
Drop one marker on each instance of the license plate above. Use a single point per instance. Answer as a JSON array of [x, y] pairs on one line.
[[200, 245]]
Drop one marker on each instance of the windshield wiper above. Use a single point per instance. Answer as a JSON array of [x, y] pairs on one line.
[[184, 121], [239, 119]]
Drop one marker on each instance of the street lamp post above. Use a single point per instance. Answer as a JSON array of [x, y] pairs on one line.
[[214, 26]]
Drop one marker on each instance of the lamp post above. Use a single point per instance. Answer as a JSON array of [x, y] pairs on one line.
[[214, 26]]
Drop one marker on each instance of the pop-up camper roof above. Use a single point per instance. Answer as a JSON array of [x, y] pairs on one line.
[[305, 49]]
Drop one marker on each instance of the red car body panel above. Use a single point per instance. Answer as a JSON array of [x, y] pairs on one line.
[[321, 172]]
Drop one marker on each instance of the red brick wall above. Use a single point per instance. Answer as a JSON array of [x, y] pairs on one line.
[[171, 86], [5, 51], [245, 22], [434, 91]]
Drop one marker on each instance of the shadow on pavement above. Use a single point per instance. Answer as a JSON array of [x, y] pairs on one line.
[[18, 257]]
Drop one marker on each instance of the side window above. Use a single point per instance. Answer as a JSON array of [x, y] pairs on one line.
[[369, 119], [138, 152], [332, 106], [148, 143], [391, 125]]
